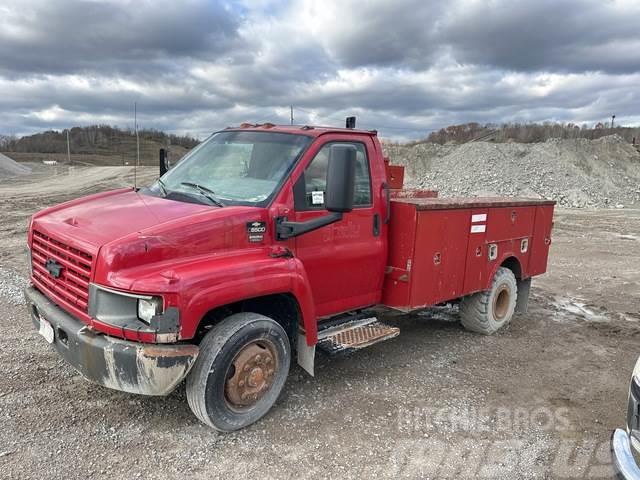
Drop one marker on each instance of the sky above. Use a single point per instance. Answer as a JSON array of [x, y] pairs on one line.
[[403, 67]]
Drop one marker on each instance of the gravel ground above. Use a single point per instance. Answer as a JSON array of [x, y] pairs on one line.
[[576, 173], [538, 400]]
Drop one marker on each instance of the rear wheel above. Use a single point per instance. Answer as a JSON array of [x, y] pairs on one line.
[[487, 312], [240, 371]]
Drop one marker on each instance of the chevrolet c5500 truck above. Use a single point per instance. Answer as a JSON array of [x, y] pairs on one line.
[[263, 243]]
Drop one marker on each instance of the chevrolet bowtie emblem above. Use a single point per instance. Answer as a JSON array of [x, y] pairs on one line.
[[53, 267]]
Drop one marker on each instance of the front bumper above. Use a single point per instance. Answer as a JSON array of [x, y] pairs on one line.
[[623, 462], [146, 369], [625, 442]]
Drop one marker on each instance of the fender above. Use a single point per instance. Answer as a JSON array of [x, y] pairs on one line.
[[524, 282], [203, 283], [267, 277], [502, 257]]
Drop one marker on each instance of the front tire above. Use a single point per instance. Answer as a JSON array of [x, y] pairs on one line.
[[241, 369], [487, 312]]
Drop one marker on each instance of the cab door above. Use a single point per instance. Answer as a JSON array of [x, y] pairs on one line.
[[344, 261]]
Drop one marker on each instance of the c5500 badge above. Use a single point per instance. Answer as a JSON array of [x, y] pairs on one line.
[[256, 231]]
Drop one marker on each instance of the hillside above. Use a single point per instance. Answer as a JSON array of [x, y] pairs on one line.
[[527, 133], [576, 173], [96, 145]]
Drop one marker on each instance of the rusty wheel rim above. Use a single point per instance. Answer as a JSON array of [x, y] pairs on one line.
[[251, 374], [501, 302]]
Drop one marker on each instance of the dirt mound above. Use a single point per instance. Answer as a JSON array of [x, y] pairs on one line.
[[11, 168], [576, 173]]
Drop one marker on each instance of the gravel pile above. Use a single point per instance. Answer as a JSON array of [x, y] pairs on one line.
[[11, 168], [576, 173]]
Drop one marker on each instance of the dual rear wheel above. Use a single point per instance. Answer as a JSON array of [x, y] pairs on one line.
[[487, 312]]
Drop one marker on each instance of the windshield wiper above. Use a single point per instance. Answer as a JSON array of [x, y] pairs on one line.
[[163, 188], [205, 192]]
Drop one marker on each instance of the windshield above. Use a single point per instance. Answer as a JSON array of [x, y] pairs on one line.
[[233, 168]]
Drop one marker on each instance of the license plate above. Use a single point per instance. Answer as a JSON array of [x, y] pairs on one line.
[[46, 330]]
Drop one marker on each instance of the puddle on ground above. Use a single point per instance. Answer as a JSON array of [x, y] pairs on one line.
[[574, 307]]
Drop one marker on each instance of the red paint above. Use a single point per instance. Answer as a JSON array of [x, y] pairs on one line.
[[440, 258], [198, 257]]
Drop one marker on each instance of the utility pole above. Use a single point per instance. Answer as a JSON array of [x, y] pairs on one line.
[[135, 124], [135, 121], [291, 114], [68, 149]]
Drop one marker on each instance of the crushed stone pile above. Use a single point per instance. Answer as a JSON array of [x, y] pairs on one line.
[[11, 168], [576, 173]]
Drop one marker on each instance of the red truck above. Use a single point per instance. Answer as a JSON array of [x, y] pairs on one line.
[[262, 241]]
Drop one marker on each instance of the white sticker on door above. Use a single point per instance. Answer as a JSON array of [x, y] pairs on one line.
[[478, 228], [317, 198], [480, 217]]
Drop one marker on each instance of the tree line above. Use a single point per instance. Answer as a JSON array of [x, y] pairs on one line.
[[94, 139], [109, 140], [528, 132]]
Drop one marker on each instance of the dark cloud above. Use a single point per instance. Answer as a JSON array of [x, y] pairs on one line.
[[384, 33], [549, 35], [524, 35], [69, 35], [404, 67]]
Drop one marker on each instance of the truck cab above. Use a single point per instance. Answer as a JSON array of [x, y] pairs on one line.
[[262, 241]]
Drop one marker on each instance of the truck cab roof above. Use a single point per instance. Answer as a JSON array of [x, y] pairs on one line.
[[309, 130]]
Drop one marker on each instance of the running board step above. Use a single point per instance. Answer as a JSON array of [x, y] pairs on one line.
[[354, 335]]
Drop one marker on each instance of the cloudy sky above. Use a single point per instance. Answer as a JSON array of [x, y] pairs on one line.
[[404, 67]]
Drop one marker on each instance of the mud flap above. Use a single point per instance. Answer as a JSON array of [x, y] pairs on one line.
[[522, 302], [306, 354]]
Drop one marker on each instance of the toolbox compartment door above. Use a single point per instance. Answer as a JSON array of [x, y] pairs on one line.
[[439, 257], [476, 270], [541, 240]]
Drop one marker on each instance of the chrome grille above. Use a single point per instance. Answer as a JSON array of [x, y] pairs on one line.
[[72, 285]]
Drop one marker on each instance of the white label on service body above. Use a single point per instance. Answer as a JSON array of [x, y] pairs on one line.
[[478, 228], [317, 198], [481, 217]]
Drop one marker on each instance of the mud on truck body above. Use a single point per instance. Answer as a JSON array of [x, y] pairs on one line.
[[263, 243]]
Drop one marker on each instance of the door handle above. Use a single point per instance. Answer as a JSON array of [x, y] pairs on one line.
[[376, 225]]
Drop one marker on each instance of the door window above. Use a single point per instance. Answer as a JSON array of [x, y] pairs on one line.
[[313, 183]]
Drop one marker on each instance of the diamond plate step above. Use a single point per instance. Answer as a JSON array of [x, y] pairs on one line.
[[354, 335]]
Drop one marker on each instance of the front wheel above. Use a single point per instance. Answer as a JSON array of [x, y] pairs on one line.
[[240, 371], [487, 312]]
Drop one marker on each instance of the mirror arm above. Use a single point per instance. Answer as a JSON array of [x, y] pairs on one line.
[[286, 229], [163, 161]]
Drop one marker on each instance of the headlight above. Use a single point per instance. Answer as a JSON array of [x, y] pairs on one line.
[[149, 308], [636, 372]]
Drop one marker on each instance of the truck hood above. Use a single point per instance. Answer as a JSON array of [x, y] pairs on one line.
[[130, 236], [99, 219]]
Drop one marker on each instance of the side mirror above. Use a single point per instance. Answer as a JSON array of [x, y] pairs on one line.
[[341, 178], [164, 163]]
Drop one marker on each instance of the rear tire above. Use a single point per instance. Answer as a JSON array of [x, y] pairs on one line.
[[240, 371], [487, 312]]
